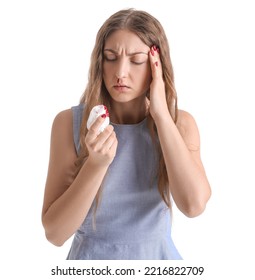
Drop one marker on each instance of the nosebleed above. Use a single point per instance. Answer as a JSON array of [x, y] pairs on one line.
[[95, 113]]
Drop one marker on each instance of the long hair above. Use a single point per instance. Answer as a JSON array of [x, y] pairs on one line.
[[150, 31]]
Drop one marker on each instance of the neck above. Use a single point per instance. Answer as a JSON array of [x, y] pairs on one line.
[[131, 112]]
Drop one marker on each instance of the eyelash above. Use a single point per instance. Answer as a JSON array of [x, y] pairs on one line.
[[137, 63], [110, 59], [114, 59]]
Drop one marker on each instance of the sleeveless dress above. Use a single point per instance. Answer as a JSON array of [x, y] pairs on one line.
[[132, 221]]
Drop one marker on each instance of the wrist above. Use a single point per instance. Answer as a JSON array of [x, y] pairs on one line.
[[161, 116], [97, 164]]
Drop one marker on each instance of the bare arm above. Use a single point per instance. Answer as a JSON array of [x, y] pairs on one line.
[[67, 200], [180, 145], [181, 149]]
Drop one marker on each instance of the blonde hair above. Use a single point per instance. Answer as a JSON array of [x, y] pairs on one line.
[[150, 31]]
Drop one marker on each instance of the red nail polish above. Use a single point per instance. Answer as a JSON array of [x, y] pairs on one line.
[[103, 116], [158, 50], [106, 111], [156, 63], [152, 52], [155, 48]]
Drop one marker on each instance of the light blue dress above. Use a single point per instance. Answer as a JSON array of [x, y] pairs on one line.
[[132, 220]]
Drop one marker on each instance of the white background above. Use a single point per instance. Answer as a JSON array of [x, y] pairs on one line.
[[45, 49]]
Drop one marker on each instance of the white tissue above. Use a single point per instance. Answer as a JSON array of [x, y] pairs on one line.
[[95, 113]]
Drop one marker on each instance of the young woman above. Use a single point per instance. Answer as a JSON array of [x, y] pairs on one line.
[[113, 189]]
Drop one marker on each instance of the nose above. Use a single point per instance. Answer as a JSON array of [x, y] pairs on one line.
[[122, 68]]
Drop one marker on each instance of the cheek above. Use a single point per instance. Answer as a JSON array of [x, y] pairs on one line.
[[145, 77], [106, 74], [149, 76]]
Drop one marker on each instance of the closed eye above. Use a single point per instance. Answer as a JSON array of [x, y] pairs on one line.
[[139, 59], [136, 58], [110, 58], [138, 63]]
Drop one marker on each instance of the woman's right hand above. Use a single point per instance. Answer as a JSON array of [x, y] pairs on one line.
[[102, 146]]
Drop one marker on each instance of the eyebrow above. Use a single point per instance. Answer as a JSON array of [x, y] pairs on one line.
[[129, 54]]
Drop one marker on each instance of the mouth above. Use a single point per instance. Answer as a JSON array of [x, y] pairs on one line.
[[121, 88]]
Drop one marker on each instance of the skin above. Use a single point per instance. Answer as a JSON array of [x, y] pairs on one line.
[[126, 62], [67, 200]]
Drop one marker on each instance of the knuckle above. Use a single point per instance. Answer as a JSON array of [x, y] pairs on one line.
[[87, 141], [93, 130], [93, 147], [109, 128]]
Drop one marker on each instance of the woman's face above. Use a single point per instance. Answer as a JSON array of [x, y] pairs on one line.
[[126, 66]]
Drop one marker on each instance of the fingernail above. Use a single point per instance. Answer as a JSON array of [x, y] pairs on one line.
[[155, 48], [158, 50], [156, 63], [152, 52], [103, 116], [106, 111]]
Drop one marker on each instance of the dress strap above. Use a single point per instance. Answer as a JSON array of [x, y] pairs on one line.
[[77, 120]]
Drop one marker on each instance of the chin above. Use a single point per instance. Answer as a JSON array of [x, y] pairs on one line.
[[122, 98], [126, 98]]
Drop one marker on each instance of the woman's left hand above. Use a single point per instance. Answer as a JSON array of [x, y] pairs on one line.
[[158, 103]]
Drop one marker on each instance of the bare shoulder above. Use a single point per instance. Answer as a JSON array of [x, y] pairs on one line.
[[63, 120], [62, 134], [185, 118], [188, 129]]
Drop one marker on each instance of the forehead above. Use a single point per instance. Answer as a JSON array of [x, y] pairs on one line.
[[125, 39]]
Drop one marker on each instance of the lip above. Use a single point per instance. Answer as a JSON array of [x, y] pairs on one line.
[[121, 87]]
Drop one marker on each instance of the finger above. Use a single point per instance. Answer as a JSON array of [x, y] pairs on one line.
[[114, 146], [104, 140], [94, 129], [110, 141], [155, 63], [103, 136]]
